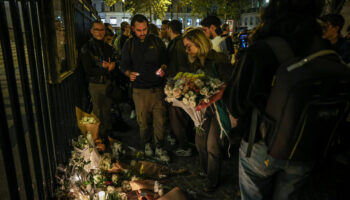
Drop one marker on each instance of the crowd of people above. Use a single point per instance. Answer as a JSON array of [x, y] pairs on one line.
[[143, 57]]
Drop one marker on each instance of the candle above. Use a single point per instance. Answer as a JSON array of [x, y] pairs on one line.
[[101, 195]]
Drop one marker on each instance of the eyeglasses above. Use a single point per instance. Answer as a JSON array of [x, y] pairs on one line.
[[97, 29]]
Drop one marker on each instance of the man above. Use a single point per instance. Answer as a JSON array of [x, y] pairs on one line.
[[163, 32], [262, 176], [143, 57], [97, 60], [333, 24], [119, 42], [211, 26], [225, 30], [178, 62]]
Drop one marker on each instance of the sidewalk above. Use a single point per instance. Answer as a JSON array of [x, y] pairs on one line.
[[328, 181]]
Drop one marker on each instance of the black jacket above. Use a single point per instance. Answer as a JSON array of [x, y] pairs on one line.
[[91, 56], [223, 68], [176, 57], [145, 58]]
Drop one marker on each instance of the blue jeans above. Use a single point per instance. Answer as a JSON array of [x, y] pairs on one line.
[[263, 177]]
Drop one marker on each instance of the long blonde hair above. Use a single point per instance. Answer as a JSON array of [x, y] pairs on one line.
[[199, 38]]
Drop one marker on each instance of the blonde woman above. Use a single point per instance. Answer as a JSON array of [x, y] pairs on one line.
[[209, 145]]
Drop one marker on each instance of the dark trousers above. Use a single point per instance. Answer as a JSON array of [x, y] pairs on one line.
[[179, 120], [209, 146], [101, 107]]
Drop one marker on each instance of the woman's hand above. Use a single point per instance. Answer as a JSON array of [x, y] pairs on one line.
[[213, 99]]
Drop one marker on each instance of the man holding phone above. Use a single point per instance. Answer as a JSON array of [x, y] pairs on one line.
[[98, 62]]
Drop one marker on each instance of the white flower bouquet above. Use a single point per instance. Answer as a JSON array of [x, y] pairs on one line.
[[189, 90]]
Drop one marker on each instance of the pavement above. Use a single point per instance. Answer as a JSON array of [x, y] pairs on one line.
[[328, 180]]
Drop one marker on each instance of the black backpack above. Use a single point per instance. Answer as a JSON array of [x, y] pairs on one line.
[[309, 98]]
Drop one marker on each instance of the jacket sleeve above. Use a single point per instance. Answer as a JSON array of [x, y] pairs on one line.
[[92, 67], [181, 57], [126, 62]]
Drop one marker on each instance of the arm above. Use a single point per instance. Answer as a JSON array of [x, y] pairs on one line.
[[91, 66]]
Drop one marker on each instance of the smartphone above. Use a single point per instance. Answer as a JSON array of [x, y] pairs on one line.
[[243, 38]]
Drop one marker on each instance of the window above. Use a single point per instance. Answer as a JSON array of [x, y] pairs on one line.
[[246, 21], [181, 20], [113, 21], [102, 7], [251, 20], [267, 1], [125, 19], [189, 22], [94, 5], [103, 20], [197, 22]]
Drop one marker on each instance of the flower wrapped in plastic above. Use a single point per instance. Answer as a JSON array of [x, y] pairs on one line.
[[189, 90]]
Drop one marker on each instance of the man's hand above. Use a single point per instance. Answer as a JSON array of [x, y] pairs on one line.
[[132, 75]]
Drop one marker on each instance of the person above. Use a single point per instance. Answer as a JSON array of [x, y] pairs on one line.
[[142, 56], [163, 32], [96, 58], [119, 42], [225, 30], [333, 24], [211, 26], [213, 64], [177, 62], [108, 38], [154, 30], [260, 175], [109, 27]]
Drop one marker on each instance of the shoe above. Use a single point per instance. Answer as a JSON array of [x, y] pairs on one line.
[[132, 114], [162, 155], [171, 140], [148, 150], [183, 152]]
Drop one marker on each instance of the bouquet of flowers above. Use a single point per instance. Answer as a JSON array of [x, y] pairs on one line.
[[189, 90]]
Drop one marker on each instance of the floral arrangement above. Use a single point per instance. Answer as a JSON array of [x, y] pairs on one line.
[[192, 88], [88, 174], [189, 90]]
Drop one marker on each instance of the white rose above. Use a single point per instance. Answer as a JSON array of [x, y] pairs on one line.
[[115, 178], [110, 189], [204, 91], [185, 101], [193, 104], [177, 92]]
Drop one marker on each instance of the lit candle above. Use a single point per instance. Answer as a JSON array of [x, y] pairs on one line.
[[101, 195]]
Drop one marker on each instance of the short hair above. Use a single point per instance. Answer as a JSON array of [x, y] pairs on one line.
[[176, 26], [212, 20], [153, 29], [138, 18], [225, 26], [166, 22], [335, 20], [109, 32], [123, 26], [96, 22], [199, 38]]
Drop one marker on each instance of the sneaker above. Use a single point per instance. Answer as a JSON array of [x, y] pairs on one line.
[[148, 150], [183, 152], [132, 114], [162, 155], [171, 140]]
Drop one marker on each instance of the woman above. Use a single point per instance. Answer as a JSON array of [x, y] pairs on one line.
[[214, 64]]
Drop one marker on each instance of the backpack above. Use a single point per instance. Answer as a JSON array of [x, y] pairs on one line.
[[309, 98]]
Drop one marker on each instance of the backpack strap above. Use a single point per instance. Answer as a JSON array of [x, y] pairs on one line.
[[311, 57]]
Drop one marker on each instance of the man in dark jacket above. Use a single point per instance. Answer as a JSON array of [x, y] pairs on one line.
[[142, 57], [333, 24], [178, 62], [97, 60]]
